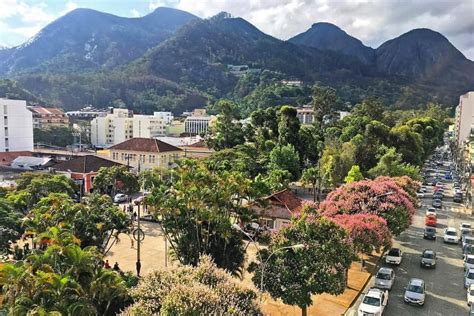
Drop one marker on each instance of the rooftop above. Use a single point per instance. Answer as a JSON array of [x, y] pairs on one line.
[[43, 110], [145, 145], [85, 164]]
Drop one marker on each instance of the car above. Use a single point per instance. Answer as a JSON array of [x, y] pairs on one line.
[[420, 195], [438, 195], [428, 258], [423, 190], [394, 256], [431, 211], [464, 225], [149, 218], [384, 278], [457, 198], [448, 177], [373, 303], [431, 220], [415, 292], [451, 235], [439, 184], [120, 197], [470, 295], [467, 240], [464, 233], [468, 278], [467, 250], [437, 203], [468, 262], [429, 233]]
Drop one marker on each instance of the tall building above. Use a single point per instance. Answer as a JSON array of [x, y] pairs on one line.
[[121, 125], [166, 116], [45, 118], [198, 122], [16, 128], [464, 118]]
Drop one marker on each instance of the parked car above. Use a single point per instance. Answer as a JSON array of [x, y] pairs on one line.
[[385, 278], [467, 250], [438, 196], [423, 190], [374, 302], [470, 295], [431, 211], [428, 258], [420, 195], [468, 278], [451, 235], [464, 225], [467, 240], [120, 197], [437, 203], [429, 233], [431, 220], [415, 292], [468, 262], [394, 256], [149, 218], [457, 198], [471, 310]]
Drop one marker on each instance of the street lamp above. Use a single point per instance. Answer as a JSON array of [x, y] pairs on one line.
[[138, 235], [264, 264]]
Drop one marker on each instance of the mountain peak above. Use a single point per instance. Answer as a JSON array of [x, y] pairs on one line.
[[327, 36]]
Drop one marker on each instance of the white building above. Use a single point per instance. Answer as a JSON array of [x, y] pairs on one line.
[[121, 125], [198, 122], [464, 118], [166, 116], [16, 127]]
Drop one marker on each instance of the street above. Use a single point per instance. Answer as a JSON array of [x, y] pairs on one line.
[[445, 291]]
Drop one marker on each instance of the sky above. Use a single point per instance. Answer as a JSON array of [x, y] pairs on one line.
[[371, 21]]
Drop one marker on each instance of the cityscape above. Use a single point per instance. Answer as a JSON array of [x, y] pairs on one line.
[[174, 160]]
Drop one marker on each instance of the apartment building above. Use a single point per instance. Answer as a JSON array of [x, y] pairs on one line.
[[198, 122], [464, 118], [16, 127], [121, 125], [46, 118]]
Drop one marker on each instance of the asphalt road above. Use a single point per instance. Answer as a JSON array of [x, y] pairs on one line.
[[444, 284]]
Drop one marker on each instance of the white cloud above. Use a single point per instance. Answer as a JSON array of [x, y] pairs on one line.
[[153, 4], [68, 8], [134, 13]]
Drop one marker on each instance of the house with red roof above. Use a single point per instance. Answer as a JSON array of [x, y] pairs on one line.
[[145, 153], [275, 211]]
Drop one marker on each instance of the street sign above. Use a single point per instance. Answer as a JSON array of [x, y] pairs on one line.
[[138, 234]]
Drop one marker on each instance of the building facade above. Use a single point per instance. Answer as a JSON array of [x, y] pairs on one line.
[[198, 122], [464, 118], [46, 118], [145, 153], [16, 127], [166, 116]]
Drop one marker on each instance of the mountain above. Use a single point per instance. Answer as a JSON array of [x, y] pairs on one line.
[[86, 39], [327, 36], [423, 53]]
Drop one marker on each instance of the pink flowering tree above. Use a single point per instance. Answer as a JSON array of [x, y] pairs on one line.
[[366, 232], [382, 197]]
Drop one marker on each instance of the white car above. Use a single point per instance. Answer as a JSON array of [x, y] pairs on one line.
[[420, 195], [415, 292], [394, 256], [120, 197], [451, 235], [423, 190], [464, 226], [470, 294], [468, 278], [384, 278], [374, 302], [468, 262], [431, 211]]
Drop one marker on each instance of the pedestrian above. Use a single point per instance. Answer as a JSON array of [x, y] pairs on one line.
[[116, 235], [106, 264], [135, 216], [116, 267], [131, 240]]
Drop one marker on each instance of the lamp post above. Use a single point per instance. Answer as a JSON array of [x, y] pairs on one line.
[[139, 235], [264, 264]]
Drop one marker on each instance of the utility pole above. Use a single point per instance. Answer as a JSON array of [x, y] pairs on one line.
[[138, 264]]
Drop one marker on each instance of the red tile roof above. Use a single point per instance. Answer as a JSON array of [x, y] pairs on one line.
[[43, 110], [145, 145], [85, 164], [281, 204]]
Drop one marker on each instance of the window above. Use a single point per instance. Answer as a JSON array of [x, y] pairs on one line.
[[5, 109], [269, 223], [5, 120], [6, 131]]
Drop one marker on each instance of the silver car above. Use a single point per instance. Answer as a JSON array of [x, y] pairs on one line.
[[384, 278], [415, 292], [428, 258], [468, 278]]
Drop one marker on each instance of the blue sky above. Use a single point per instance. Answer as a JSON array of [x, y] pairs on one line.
[[372, 21]]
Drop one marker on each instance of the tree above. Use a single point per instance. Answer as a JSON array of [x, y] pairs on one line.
[[336, 161], [56, 136], [289, 127], [227, 132], [391, 164], [116, 179], [198, 211], [10, 226], [354, 175], [201, 290], [285, 157], [382, 197], [324, 103], [311, 176], [293, 275], [409, 143]]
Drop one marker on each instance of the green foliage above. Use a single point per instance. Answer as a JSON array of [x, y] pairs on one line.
[[391, 164], [319, 267], [57, 136], [336, 161], [116, 179], [288, 127], [227, 132], [354, 175], [10, 226], [285, 157], [324, 104], [201, 290]]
